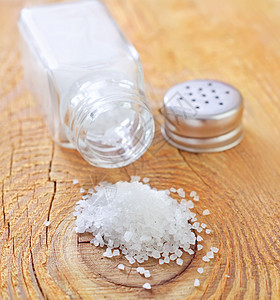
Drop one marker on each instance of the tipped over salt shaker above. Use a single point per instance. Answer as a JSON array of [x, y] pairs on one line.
[[88, 81]]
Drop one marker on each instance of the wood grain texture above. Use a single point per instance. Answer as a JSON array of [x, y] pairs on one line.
[[236, 41]]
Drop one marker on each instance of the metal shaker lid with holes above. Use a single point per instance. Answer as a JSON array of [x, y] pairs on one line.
[[203, 116]]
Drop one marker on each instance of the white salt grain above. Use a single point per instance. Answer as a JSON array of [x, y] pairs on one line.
[[192, 194], [207, 231], [196, 198], [214, 249], [199, 238], [161, 261], [121, 266], [173, 256], [173, 190], [146, 180], [203, 225], [196, 282], [227, 276], [206, 212], [140, 270], [179, 261], [190, 251], [47, 223], [135, 178], [200, 270], [147, 274], [82, 190], [90, 191], [116, 252], [147, 286], [210, 254], [75, 181], [199, 247], [205, 258]]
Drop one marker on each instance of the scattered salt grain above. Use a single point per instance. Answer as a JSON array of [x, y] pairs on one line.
[[205, 258], [214, 249], [82, 190], [200, 270], [207, 231], [178, 252], [210, 254], [192, 194], [47, 223], [173, 256], [75, 181], [203, 225], [173, 190], [121, 266], [181, 193], [227, 276], [140, 270], [196, 198], [161, 261], [147, 286], [206, 212], [196, 282], [116, 252], [190, 251], [199, 238], [179, 261], [90, 191], [146, 180], [135, 178], [199, 247], [147, 274], [199, 229]]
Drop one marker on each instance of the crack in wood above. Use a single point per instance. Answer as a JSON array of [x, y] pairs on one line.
[[3, 203], [193, 169], [50, 208]]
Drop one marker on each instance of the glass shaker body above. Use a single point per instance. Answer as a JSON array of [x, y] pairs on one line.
[[88, 81]]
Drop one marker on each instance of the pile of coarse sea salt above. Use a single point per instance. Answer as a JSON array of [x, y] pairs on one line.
[[139, 222]]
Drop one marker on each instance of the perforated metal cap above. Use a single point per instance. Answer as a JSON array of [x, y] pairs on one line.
[[203, 116]]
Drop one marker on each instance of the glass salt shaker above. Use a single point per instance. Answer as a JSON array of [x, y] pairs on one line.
[[88, 81]]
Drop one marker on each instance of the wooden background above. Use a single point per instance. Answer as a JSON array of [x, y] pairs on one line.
[[236, 41]]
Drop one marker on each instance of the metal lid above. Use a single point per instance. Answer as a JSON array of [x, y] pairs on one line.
[[203, 116]]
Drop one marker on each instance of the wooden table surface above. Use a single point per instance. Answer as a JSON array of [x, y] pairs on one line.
[[236, 41]]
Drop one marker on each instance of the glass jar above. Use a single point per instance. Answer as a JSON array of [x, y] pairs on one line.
[[88, 81]]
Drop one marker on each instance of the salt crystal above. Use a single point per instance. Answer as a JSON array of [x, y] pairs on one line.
[[47, 223], [196, 198], [178, 252], [210, 254], [173, 190], [190, 251], [199, 238], [161, 261], [167, 260], [116, 252], [199, 229], [200, 270], [146, 180], [207, 231], [196, 282], [147, 286], [206, 212], [121, 266], [173, 256], [75, 181], [181, 193], [192, 194], [214, 249], [135, 178], [147, 274], [82, 190], [140, 270], [199, 247], [90, 191], [205, 258], [227, 276], [203, 225], [179, 261]]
